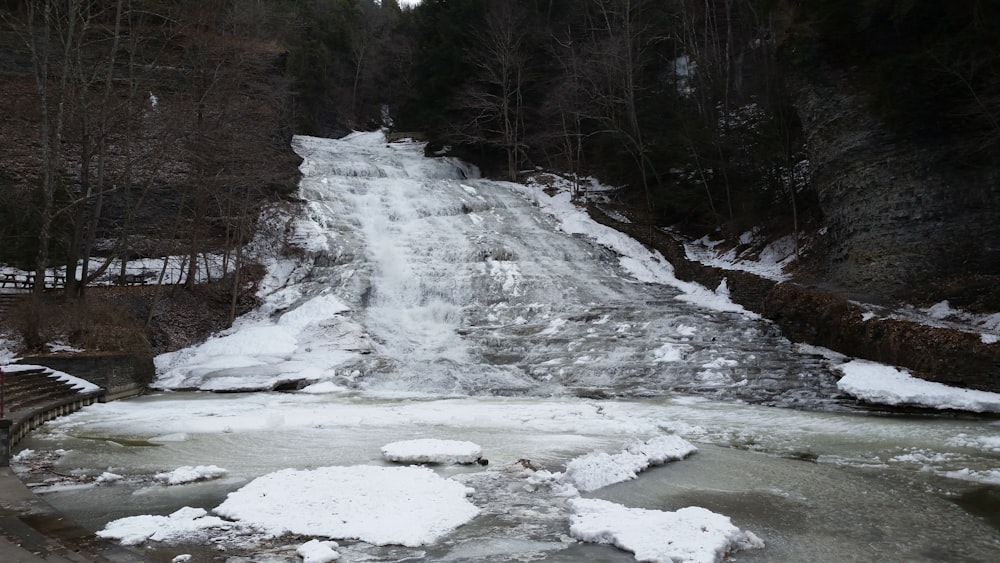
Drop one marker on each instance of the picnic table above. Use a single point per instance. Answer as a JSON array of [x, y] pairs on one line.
[[132, 279], [27, 281]]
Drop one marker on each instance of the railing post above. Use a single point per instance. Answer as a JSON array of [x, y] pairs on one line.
[[5, 424]]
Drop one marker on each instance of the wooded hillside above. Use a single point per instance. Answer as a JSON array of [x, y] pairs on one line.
[[158, 126]]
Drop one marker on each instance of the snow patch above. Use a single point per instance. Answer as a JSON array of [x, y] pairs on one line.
[[882, 384], [190, 474]]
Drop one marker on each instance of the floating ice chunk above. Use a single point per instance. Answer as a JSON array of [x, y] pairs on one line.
[[690, 534], [190, 474], [409, 506], [185, 523], [108, 477], [720, 363], [429, 450], [23, 456], [596, 470], [985, 443], [316, 551], [989, 476]]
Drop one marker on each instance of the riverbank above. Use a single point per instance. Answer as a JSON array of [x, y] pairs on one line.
[[31, 531], [822, 317]]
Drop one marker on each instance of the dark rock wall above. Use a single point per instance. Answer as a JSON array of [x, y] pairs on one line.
[[898, 211], [824, 318]]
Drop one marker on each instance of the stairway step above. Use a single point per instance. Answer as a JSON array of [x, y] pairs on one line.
[[25, 390]]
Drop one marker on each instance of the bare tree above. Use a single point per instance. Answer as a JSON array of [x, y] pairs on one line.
[[569, 101], [493, 104], [52, 25], [620, 47], [97, 120]]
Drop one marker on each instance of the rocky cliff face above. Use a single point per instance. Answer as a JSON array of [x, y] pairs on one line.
[[904, 217]]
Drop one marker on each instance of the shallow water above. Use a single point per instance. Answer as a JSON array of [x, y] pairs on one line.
[[814, 485]]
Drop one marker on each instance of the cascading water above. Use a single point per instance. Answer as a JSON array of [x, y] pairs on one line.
[[437, 304], [465, 286]]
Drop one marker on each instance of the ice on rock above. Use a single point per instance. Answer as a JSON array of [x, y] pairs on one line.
[[429, 450], [691, 534], [108, 477]]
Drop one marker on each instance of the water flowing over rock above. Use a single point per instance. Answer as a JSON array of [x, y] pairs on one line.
[[465, 285]]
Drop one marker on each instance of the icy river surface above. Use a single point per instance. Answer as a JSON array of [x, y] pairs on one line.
[[428, 303]]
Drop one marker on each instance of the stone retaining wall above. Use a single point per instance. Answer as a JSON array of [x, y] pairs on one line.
[[121, 375]]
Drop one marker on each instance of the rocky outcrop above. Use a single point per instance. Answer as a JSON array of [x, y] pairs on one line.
[[901, 213]]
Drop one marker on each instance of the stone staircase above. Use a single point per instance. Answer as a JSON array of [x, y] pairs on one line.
[[35, 395]]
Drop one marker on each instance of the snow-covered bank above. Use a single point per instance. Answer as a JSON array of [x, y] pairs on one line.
[[307, 343], [886, 385], [755, 255]]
